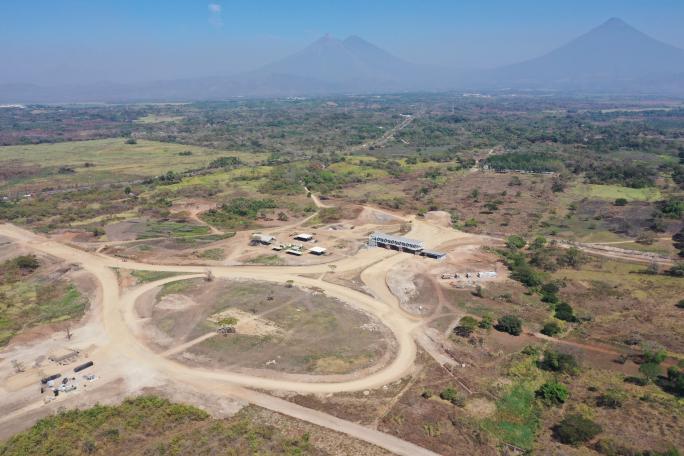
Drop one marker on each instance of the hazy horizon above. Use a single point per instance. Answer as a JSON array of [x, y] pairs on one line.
[[78, 42]]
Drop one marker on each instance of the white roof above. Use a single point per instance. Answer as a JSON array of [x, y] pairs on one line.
[[317, 249]]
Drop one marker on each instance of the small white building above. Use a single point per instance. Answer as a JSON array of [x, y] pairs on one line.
[[317, 250], [306, 237]]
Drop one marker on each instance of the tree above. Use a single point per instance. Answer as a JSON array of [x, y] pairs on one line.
[[674, 382], [551, 329], [559, 362], [680, 304], [553, 393], [515, 242], [576, 429], [127, 190], [565, 312], [620, 202], [549, 292], [524, 274], [677, 270], [538, 243], [572, 257], [509, 324]]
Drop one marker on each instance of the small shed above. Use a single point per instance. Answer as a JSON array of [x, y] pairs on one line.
[[306, 237], [317, 250]]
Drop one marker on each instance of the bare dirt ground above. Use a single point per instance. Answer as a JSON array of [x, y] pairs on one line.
[[116, 337]]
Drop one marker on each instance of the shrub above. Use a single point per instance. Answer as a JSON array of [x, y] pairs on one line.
[[551, 329], [225, 162], [620, 202], [651, 370], [486, 322], [680, 304], [639, 381], [559, 362], [509, 324], [610, 399], [466, 326], [576, 429], [27, 262], [451, 395], [553, 393]]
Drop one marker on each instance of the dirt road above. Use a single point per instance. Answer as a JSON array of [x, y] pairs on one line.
[[123, 328]]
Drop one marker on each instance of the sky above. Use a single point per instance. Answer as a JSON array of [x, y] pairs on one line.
[[78, 41]]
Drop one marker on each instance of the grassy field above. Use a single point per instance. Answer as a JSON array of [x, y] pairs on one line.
[[517, 419], [247, 179], [152, 425], [212, 254], [110, 160], [613, 192], [151, 276], [267, 260], [622, 300], [154, 229], [155, 119], [33, 301]]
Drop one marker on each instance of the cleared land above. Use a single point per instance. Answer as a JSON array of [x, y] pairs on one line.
[[279, 328], [84, 163]]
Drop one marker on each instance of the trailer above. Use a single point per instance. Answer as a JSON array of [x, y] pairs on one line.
[[83, 366], [49, 378]]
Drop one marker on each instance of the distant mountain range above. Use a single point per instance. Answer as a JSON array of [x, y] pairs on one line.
[[613, 57]]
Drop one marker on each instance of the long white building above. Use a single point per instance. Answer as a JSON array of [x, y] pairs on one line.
[[378, 239]]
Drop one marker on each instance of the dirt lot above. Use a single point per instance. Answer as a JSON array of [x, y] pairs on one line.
[[275, 328]]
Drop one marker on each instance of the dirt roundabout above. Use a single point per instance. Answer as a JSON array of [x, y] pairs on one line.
[[280, 330]]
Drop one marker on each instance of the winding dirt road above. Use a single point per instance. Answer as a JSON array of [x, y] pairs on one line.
[[123, 327]]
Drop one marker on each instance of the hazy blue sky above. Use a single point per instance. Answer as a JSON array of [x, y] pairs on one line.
[[133, 40]]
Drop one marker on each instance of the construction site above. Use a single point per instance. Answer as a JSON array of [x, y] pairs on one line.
[[376, 304]]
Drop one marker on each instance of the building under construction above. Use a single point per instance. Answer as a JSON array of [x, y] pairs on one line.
[[378, 239]]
